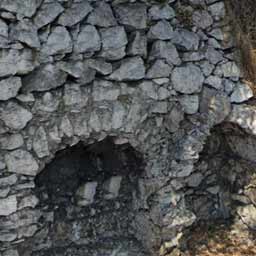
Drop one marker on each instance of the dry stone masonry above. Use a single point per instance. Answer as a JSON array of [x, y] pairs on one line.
[[122, 124]]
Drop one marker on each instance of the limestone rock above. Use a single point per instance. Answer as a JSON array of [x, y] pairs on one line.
[[241, 93], [158, 12], [230, 69], [112, 187], [165, 50], [11, 142], [202, 19], [131, 69], [190, 103], [162, 30], [25, 32], [86, 193], [9, 87], [8, 205], [114, 40], [187, 79], [186, 40], [77, 12], [16, 62], [58, 42], [44, 78], [102, 16], [133, 16], [214, 81], [40, 143], [47, 13], [14, 116], [88, 40], [26, 8], [137, 44], [21, 162], [159, 69]]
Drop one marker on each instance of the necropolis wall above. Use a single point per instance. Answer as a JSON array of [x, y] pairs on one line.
[[105, 108]]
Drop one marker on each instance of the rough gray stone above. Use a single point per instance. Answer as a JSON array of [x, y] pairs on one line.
[[137, 44], [214, 56], [157, 12], [11, 253], [159, 69], [4, 192], [133, 16], [241, 93], [230, 70], [119, 114], [102, 67], [195, 179], [8, 205], [114, 41], [214, 81], [58, 42], [11, 142], [175, 116], [160, 107], [248, 215], [16, 62], [40, 143], [26, 8], [14, 116], [3, 29], [21, 162], [162, 30], [44, 78], [112, 187], [185, 40], [76, 13], [88, 40], [202, 19], [165, 50], [25, 32], [148, 89], [130, 69], [8, 180], [102, 16], [28, 201], [10, 87], [86, 192], [190, 103], [188, 79], [217, 10], [47, 13]]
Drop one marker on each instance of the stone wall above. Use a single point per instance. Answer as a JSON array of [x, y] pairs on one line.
[[158, 75]]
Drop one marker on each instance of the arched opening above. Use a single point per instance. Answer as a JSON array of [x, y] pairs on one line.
[[221, 192], [88, 200]]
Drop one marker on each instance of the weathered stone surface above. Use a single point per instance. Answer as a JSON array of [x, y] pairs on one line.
[[133, 16], [28, 201], [157, 12], [175, 116], [8, 180], [165, 50], [19, 62], [162, 30], [9, 87], [11, 142], [159, 69], [241, 93], [101, 66], [248, 215], [77, 12], [22, 162], [11, 253], [190, 103], [14, 116], [25, 8], [214, 81], [47, 13], [213, 56], [130, 69], [160, 107], [3, 29], [25, 32], [137, 44], [188, 79], [58, 42], [88, 40], [8, 205], [202, 19], [114, 40], [102, 16], [217, 10], [40, 143], [185, 40], [119, 114], [230, 69], [44, 78], [112, 187]]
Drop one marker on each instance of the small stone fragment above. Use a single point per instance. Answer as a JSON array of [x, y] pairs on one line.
[[9, 87], [14, 116], [112, 187], [241, 93], [85, 193], [159, 12], [22, 162], [11, 142], [190, 103], [8, 205], [202, 19], [131, 69], [162, 30], [3, 29], [159, 69], [40, 143]]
